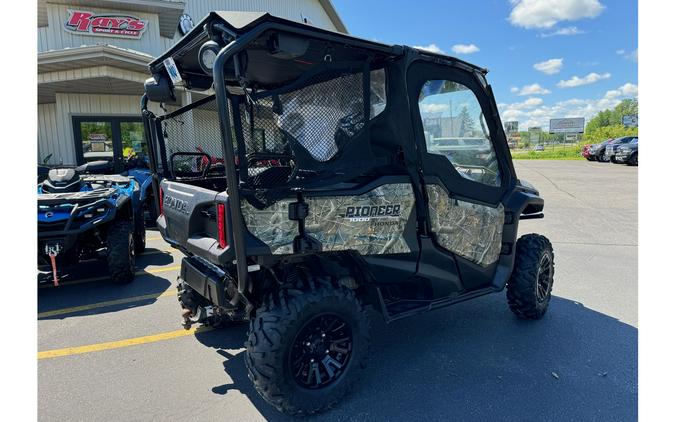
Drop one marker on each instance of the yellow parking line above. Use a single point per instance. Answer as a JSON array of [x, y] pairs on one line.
[[48, 354], [89, 280], [91, 306], [154, 238]]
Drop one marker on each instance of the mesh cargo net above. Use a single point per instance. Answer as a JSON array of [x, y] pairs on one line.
[[192, 142], [290, 137]]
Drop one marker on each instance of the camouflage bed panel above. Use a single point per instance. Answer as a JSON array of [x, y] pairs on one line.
[[372, 223], [472, 231]]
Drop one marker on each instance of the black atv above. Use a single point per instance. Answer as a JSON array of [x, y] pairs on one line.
[[333, 173], [88, 216]]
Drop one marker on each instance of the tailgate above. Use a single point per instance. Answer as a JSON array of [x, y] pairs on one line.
[[189, 220]]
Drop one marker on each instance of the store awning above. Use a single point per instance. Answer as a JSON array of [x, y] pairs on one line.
[[169, 12], [91, 56], [90, 80]]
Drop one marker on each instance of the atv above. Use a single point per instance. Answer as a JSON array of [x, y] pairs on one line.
[[85, 216], [333, 194]]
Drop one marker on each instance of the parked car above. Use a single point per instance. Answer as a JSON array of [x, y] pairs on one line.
[[538, 147], [586, 152], [597, 151], [611, 148], [627, 153]]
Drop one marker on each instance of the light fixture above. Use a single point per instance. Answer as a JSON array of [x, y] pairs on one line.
[[207, 56]]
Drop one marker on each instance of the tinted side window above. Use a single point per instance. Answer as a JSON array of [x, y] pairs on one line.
[[454, 127]]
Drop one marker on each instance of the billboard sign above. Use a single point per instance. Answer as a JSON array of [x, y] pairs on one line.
[[630, 120], [567, 125], [535, 134], [106, 25], [511, 127]]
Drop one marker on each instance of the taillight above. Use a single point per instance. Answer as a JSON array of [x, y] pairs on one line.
[[161, 201], [222, 235]]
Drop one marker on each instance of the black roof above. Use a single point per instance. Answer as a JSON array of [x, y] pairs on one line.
[[252, 28]]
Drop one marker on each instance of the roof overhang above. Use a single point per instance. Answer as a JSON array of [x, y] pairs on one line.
[[92, 80], [92, 56], [169, 12]]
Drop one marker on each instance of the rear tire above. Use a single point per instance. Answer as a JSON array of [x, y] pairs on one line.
[[529, 288], [121, 254], [297, 359]]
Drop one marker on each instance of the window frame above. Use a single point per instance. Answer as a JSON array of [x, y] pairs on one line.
[[438, 166]]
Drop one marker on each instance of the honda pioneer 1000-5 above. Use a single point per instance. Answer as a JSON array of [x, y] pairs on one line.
[[306, 174]]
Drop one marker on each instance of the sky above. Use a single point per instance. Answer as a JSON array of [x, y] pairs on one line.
[[546, 58]]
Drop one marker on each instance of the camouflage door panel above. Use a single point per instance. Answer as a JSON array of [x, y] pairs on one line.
[[372, 223], [469, 230]]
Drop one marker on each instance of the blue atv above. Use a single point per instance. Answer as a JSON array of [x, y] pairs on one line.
[[84, 216]]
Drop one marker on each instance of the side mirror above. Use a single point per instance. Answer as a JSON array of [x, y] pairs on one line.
[[159, 89]]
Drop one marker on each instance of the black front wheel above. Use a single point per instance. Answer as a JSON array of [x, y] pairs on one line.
[[121, 253], [633, 160], [529, 288], [307, 348]]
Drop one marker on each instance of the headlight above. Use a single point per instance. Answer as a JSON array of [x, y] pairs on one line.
[[207, 56]]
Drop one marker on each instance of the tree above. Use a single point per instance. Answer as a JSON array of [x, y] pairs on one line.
[[466, 122], [608, 123]]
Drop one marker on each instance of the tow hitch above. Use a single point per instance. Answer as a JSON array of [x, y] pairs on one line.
[[53, 249], [202, 315]]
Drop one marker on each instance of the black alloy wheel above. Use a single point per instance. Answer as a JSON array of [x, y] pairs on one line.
[[544, 277], [321, 351]]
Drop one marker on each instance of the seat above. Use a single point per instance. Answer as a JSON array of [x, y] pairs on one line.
[[61, 181]]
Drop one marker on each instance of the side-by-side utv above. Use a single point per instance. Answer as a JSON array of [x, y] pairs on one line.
[[307, 174]]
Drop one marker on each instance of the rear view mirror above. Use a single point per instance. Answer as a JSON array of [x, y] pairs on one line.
[[159, 89]]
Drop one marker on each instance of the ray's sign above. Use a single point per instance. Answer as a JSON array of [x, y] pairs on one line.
[[106, 24]]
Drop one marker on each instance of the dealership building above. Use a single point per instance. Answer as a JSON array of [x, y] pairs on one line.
[[92, 62]]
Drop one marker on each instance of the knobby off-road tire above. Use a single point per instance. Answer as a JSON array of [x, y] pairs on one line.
[[121, 253], [529, 288], [279, 332], [139, 240]]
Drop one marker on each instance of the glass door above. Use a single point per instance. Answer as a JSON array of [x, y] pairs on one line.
[[134, 145], [96, 140], [120, 140]]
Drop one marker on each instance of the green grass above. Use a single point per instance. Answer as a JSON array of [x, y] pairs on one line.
[[558, 153]]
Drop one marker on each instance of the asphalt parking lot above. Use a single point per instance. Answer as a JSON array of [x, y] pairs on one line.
[[118, 353]]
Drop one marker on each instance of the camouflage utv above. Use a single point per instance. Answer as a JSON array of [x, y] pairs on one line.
[[307, 175]]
